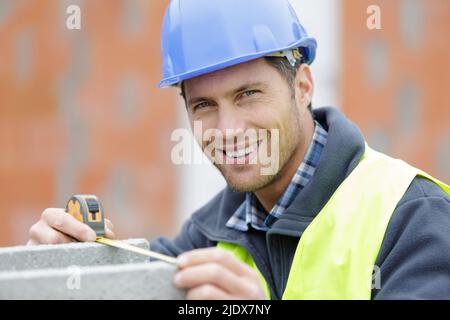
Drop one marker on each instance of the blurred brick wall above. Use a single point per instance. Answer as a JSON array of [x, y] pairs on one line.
[[396, 81], [80, 113]]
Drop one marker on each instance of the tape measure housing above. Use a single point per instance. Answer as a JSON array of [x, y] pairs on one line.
[[88, 209]]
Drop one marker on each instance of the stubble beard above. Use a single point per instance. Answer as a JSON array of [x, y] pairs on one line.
[[287, 150]]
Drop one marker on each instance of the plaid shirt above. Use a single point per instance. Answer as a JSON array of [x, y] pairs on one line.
[[251, 211]]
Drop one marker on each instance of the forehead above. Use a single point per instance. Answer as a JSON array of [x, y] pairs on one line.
[[223, 80]]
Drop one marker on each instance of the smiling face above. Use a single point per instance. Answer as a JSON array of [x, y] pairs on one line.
[[251, 97]]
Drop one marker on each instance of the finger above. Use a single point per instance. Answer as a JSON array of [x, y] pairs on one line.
[[42, 233], [217, 255], [207, 292], [32, 242], [109, 233], [210, 273], [62, 221], [109, 224]]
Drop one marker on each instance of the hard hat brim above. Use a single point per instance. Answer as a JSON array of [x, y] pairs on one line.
[[309, 43]]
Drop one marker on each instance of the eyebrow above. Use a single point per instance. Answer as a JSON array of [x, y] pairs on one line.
[[232, 92]]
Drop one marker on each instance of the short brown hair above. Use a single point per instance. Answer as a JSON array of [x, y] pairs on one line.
[[287, 70]]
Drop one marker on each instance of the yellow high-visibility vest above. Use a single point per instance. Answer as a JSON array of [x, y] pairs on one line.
[[336, 254]]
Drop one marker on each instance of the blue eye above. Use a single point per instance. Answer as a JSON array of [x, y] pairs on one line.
[[201, 105], [249, 93]]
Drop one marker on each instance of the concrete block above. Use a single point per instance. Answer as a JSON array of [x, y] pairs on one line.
[[150, 280], [64, 255]]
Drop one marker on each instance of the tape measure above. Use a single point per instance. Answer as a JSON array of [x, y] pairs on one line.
[[88, 209]]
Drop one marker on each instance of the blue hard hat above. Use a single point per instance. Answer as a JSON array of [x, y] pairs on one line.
[[202, 36]]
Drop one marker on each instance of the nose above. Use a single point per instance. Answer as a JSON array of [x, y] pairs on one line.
[[230, 121]]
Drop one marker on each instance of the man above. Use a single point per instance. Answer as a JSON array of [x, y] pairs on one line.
[[333, 220]]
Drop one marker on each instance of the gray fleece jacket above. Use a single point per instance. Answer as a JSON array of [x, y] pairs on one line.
[[414, 258]]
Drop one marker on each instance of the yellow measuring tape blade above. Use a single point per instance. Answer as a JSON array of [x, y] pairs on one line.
[[125, 246]]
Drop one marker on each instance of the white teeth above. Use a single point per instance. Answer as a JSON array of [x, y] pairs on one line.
[[242, 152]]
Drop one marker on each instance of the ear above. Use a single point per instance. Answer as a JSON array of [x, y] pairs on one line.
[[304, 85]]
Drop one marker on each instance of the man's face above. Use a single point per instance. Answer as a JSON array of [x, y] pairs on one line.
[[246, 98]]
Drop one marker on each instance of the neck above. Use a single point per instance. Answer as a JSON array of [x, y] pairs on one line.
[[269, 195]]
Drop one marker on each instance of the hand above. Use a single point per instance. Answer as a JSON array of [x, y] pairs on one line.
[[214, 273], [57, 226]]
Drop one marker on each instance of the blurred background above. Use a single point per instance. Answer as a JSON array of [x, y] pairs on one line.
[[80, 111]]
